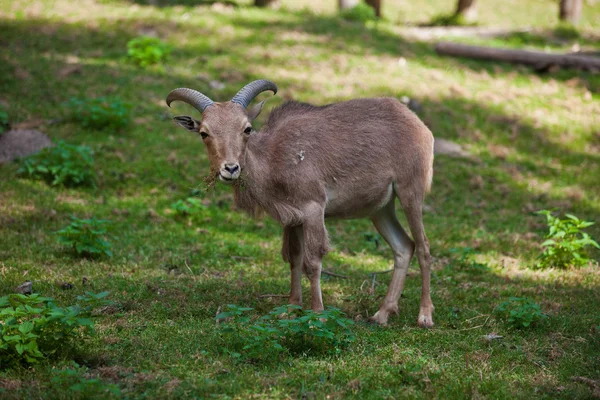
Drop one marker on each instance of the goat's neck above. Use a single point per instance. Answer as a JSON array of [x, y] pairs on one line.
[[253, 161], [246, 194]]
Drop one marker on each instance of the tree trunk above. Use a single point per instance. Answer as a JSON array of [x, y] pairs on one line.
[[539, 60], [376, 4], [570, 11], [467, 9], [263, 3], [346, 4]]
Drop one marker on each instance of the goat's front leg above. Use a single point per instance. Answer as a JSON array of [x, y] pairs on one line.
[[316, 245], [292, 251]]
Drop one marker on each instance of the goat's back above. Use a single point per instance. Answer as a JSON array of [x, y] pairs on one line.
[[347, 143]]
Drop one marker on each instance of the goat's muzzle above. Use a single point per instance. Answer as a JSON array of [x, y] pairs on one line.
[[229, 172]]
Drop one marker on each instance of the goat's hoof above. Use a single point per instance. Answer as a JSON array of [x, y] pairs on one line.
[[425, 321], [379, 318]]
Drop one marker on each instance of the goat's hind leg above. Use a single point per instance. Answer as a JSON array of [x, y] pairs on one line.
[[387, 225], [413, 208], [293, 252]]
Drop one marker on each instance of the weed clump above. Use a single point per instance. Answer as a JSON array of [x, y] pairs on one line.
[[86, 237], [146, 50], [451, 20], [360, 13], [100, 112], [187, 207], [565, 244], [285, 330], [33, 327], [64, 164], [75, 380], [520, 312]]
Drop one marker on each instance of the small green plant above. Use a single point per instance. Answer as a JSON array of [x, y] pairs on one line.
[[99, 112], [34, 327], [286, 329], [565, 243], [145, 51], [462, 255], [520, 312], [360, 12], [566, 31], [63, 164], [73, 380], [187, 207], [3, 121], [450, 20], [86, 237]]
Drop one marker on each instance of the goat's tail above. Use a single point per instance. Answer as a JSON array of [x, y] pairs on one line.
[[429, 173], [429, 179]]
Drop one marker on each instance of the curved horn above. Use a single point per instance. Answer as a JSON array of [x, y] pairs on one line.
[[190, 96], [251, 90]]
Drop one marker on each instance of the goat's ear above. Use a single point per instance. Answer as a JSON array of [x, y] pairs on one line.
[[188, 123], [254, 111]]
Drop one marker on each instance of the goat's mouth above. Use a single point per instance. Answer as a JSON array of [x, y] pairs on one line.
[[228, 180]]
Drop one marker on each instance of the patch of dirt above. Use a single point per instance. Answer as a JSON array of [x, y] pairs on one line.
[[172, 385], [111, 340], [594, 385], [476, 182], [142, 377], [354, 385], [552, 306], [113, 373], [499, 151], [69, 69], [21, 143], [446, 147], [10, 384], [70, 200]]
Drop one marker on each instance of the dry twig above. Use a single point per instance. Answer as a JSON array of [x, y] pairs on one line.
[[594, 385], [333, 274], [373, 284], [218, 312], [382, 272]]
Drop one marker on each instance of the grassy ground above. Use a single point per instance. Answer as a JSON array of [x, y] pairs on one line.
[[535, 145]]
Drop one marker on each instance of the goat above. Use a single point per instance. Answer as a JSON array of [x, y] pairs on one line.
[[344, 160]]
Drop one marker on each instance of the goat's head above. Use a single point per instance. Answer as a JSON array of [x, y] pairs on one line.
[[225, 127]]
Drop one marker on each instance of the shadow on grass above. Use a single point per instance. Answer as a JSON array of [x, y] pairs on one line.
[[559, 36]]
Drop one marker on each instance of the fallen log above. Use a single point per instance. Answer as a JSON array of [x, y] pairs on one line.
[[539, 60]]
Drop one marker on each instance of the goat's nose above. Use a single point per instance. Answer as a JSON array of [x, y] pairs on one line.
[[231, 168]]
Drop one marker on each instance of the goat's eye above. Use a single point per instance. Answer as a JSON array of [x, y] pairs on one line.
[[248, 130], [204, 135]]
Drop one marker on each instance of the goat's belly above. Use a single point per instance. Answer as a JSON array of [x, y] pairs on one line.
[[357, 202]]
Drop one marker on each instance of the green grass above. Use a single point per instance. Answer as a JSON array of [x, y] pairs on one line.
[[535, 145]]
